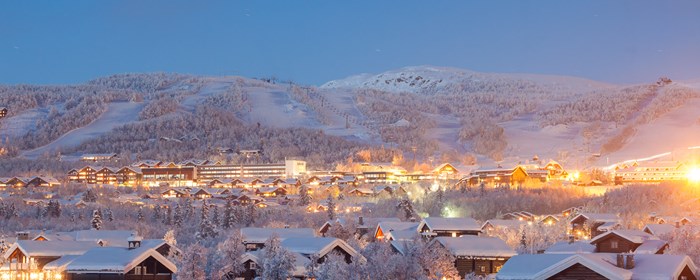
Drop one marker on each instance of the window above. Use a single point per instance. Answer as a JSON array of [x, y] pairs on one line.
[[482, 268], [613, 245], [253, 266]]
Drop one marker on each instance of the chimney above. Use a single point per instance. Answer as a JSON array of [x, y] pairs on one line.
[[360, 220], [134, 241], [630, 261], [571, 239], [620, 261]]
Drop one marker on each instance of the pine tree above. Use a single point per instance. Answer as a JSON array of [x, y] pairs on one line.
[[215, 220], [407, 207], [251, 214], [331, 208], [206, 228], [177, 216], [304, 196], [229, 215], [96, 219], [169, 238], [189, 208], [110, 215]]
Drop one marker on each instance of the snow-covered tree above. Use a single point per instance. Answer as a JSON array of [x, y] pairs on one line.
[[334, 267], [177, 216], [206, 228], [278, 263], [228, 256], [193, 263], [438, 261], [331, 207], [139, 215], [304, 196], [230, 219], [96, 219], [90, 195]]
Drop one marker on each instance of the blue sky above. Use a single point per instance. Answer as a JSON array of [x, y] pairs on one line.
[[311, 42]]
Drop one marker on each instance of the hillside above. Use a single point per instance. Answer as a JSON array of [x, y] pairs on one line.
[[426, 112]]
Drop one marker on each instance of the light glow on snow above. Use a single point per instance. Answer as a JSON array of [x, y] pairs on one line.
[[693, 174]]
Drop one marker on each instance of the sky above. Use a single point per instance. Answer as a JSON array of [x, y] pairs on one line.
[[312, 42]]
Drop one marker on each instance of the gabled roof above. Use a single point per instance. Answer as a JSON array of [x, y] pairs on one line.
[[316, 245], [499, 223], [33, 248], [260, 235], [115, 260], [599, 217], [476, 246], [659, 229], [647, 266], [452, 224], [634, 236]]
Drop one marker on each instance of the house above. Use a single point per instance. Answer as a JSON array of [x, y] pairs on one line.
[[475, 254], [446, 171], [520, 216], [598, 266], [132, 262], [594, 223], [3, 112], [497, 224], [623, 241], [303, 249], [389, 190], [361, 192], [549, 220], [43, 182], [571, 211], [454, 227], [659, 229], [518, 174], [399, 231], [271, 191], [255, 238]]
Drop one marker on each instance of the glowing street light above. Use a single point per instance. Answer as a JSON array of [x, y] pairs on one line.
[[693, 174]]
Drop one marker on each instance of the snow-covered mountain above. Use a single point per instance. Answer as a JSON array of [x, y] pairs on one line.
[[433, 79], [433, 112]]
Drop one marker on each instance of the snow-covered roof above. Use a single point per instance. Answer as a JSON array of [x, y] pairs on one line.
[[607, 226], [650, 247], [260, 235], [599, 217], [635, 236], [316, 245], [499, 223], [647, 266], [116, 260], [476, 246], [33, 248], [564, 247], [300, 261], [659, 229], [453, 224], [397, 230]]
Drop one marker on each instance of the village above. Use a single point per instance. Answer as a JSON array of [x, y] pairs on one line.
[[199, 218]]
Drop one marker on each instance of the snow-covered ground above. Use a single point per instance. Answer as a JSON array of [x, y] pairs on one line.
[[674, 131], [22, 123], [117, 114]]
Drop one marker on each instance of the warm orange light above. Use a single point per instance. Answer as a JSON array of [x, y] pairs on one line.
[[693, 174]]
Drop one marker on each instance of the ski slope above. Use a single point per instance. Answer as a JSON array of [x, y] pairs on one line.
[[117, 114]]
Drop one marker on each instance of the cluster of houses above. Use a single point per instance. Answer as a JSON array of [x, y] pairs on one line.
[[36, 181], [516, 174], [87, 255]]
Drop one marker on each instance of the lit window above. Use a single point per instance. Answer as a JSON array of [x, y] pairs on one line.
[[613, 244]]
